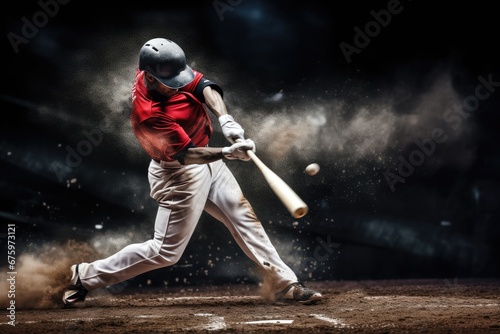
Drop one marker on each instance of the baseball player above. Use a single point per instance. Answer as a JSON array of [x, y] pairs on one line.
[[169, 117]]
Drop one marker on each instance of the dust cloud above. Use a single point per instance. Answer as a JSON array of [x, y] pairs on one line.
[[43, 272], [358, 129]]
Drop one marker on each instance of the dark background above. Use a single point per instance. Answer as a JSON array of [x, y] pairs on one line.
[[66, 88]]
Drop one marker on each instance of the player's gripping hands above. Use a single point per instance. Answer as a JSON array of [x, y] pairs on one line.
[[238, 151], [231, 129]]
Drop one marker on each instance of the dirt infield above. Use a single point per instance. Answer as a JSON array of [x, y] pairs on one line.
[[415, 306]]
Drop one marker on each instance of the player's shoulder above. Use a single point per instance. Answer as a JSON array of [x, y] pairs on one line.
[[191, 87]]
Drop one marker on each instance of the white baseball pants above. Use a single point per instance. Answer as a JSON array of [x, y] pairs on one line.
[[183, 193]]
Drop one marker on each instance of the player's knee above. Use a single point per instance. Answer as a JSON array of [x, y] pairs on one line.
[[168, 258]]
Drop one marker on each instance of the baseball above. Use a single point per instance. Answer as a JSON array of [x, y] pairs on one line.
[[312, 169]]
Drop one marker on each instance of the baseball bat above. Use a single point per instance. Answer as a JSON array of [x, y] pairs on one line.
[[295, 205]]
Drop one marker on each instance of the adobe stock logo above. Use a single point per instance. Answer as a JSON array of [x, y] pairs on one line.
[[372, 29], [454, 118], [30, 28], [221, 7], [323, 250]]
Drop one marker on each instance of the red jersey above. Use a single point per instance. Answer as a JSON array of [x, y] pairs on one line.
[[164, 125]]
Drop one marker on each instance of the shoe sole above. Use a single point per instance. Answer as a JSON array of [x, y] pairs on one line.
[[311, 301]]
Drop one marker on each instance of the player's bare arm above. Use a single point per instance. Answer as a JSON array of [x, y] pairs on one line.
[[214, 102], [231, 129], [203, 155]]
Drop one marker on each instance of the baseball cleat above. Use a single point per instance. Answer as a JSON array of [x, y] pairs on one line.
[[76, 292], [298, 293]]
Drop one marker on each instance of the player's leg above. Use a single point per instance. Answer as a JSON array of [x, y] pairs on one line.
[[227, 204], [181, 195]]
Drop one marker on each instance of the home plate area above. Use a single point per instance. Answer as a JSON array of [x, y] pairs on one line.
[[412, 306]]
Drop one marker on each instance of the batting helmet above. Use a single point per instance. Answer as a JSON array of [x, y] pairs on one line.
[[166, 61]]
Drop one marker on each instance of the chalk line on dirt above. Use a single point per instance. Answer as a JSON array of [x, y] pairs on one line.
[[336, 322], [215, 322]]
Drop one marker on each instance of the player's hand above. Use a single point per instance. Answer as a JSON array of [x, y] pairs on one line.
[[238, 151], [231, 129]]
